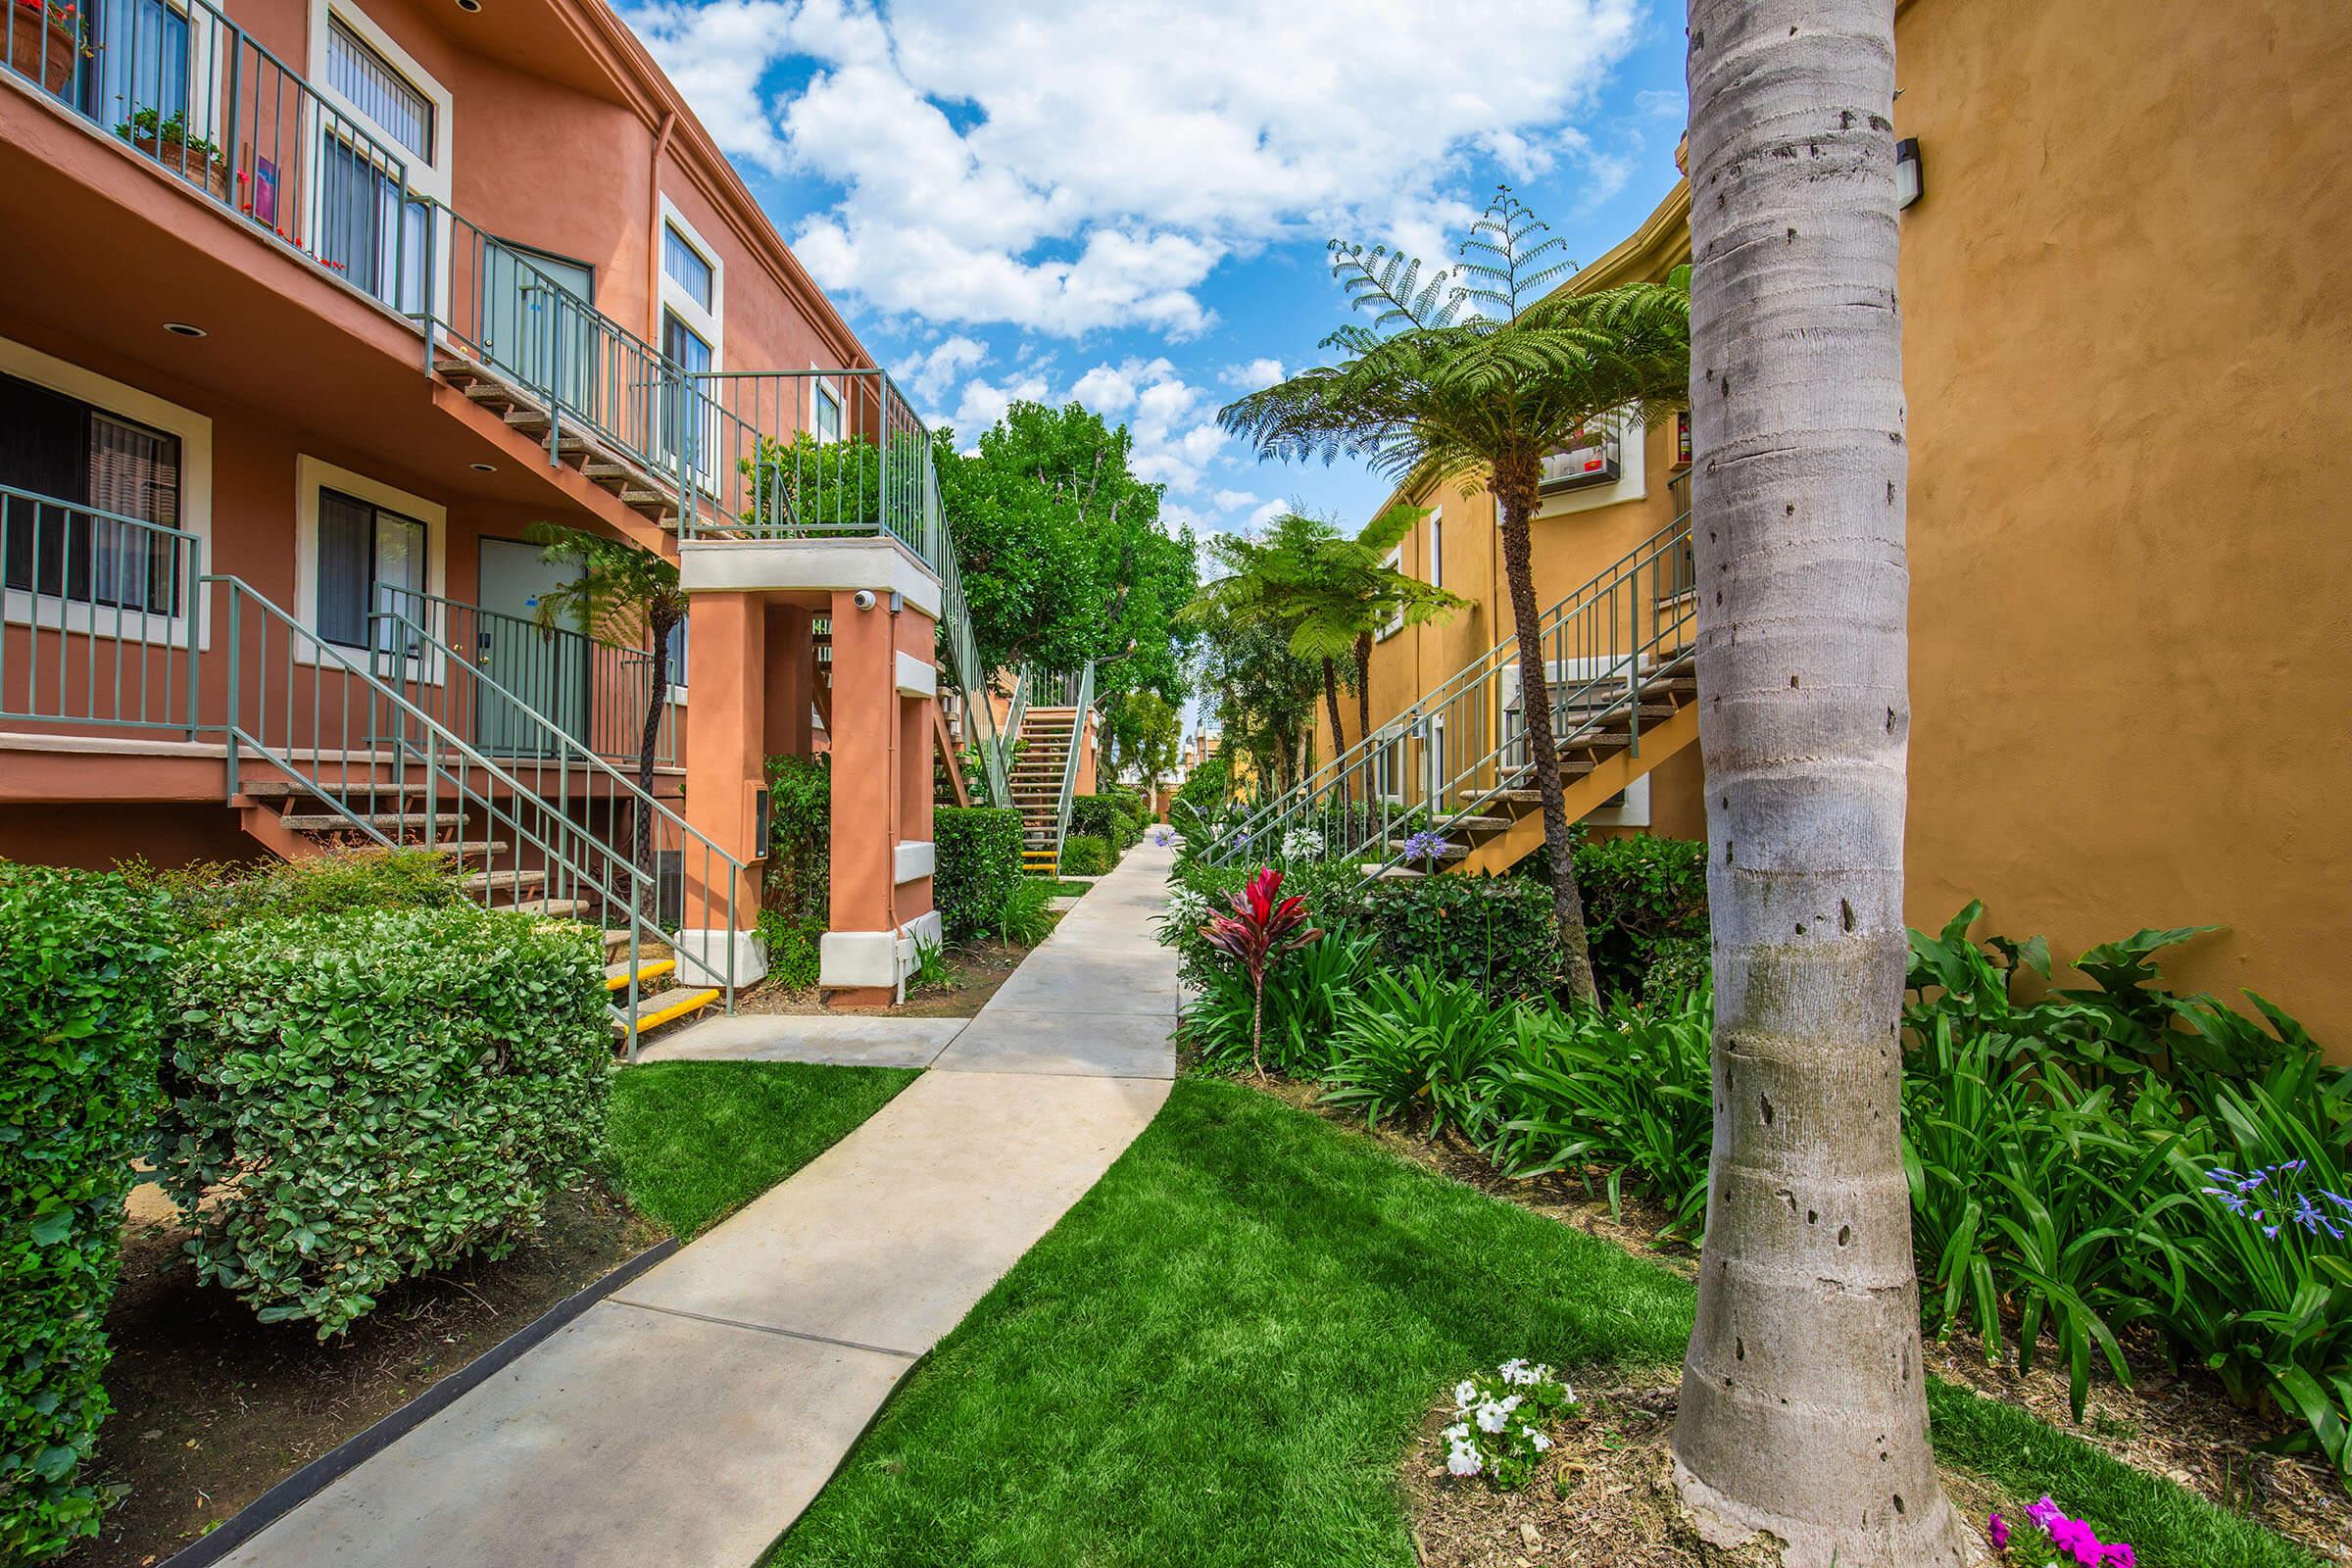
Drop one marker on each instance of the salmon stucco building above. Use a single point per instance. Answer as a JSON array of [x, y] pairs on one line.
[[2132, 591], [311, 311]]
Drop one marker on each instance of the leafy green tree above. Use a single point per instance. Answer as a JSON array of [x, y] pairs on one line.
[[623, 594], [1141, 733], [1265, 697], [1482, 379], [1329, 594], [1062, 553]]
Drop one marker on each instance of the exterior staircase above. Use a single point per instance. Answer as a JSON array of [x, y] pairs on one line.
[[1448, 785], [1043, 750]]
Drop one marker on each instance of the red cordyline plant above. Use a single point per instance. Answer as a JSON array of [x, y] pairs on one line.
[[1258, 933]]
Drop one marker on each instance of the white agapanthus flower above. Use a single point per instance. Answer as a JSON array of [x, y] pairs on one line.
[[1303, 844], [1186, 909]]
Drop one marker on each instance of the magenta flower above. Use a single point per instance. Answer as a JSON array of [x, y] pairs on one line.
[[2044, 1513], [1997, 1528]]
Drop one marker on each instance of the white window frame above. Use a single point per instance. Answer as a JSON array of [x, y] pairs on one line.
[[314, 475], [1395, 623], [22, 607], [828, 387], [206, 117], [431, 179], [1633, 475], [1436, 547], [707, 324]]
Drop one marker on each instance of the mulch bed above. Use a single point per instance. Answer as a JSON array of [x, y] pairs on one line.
[[211, 1409], [974, 972], [2181, 1426]]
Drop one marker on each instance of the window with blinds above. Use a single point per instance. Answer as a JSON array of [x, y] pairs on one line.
[[687, 266], [372, 84], [65, 467], [370, 561]]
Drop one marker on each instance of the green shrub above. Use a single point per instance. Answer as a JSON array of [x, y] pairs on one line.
[[799, 879], [1022, 920], [1304, 994], [1678, 967], [1416, 1044], [1626, 1089], [210, 896], [359, 1099], [793, 950], [1641, 895], [978, 866], [1085, 854], [1106, 818], [1496, 932], [82, 961]]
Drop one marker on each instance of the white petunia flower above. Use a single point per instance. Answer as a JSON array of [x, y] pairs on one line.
[[1512, 1402], [1465, 1395], [1464, 1462], [1537, 1438], [1457, 1434], [1492, 1417]]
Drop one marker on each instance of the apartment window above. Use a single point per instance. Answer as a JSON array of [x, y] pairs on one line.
[[1589, 458], [141, 64], [1395, 563], [63, 463], [1436, 547], [371, 559], [377, 90], [687, 266], [682, 344], [826, 416]]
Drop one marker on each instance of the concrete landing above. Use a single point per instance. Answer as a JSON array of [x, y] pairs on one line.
[[843, 1040], [687, 1420]]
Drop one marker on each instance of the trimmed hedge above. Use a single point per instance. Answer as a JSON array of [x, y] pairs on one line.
[[1085, 854], [1106, 817], [977, 867], [1646, 899], [209, 897], [363, 1098], [82, 963]]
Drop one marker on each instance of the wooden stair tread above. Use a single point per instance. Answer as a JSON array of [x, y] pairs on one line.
[[554, 908], [496, 881], [337, 822]]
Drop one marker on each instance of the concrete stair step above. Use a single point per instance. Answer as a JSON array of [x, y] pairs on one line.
[[617, 975], [502, 881], [554, 908], [656, 1009]]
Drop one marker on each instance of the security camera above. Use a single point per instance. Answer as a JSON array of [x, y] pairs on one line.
[[863, 598]]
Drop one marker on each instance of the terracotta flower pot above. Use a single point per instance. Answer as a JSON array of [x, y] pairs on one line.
[[193, 164], [30, 32]]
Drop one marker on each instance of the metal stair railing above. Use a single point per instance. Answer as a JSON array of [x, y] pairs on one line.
[[1458, 742], [317, 716], [596, 691], [639, 829], [1082, 700]]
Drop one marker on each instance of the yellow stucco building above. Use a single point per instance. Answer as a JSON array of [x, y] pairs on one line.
[[2128, 362]]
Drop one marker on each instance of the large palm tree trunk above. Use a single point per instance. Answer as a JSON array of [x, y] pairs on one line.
[[1516, 477], [1802, 1407]]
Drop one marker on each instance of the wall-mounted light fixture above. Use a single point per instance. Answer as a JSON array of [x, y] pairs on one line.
[[1908, 182], [469, 6], [485, 468], [184, 329]]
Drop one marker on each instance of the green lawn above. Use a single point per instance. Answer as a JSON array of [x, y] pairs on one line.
[[1218, 1356], [691, 1142], [1071, 890]]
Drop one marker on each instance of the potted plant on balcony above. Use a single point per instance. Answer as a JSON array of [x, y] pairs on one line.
[[47, 40], [166, 138]]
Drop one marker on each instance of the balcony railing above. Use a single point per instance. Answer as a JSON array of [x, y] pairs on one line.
[[193, 93]]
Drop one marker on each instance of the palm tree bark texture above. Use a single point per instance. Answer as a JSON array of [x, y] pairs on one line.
[[1803, 1408]]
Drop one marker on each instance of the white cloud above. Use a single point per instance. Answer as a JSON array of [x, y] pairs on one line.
[[1174, 422], [927, 374], [1067, 166], [1253, 375], [1268, 513], [1234, 499]]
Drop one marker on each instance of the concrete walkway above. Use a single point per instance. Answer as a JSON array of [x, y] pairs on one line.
[[686, 1420]]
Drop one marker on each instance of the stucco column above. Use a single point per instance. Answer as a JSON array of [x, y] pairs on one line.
[[860, 957], [726, 715], [792, 680]]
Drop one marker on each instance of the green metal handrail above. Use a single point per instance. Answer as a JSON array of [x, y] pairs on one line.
[[102, 625], [317, 714], [1082, 702], [1607, 637], [603, 688]]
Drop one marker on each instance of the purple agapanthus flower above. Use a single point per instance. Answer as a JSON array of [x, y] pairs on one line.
[[1425, 846]]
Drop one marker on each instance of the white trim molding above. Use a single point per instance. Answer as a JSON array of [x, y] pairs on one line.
[[914, 860], [313, 474], [916, 677]]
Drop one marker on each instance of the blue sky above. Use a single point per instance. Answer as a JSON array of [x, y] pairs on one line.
[[1129, 204]]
